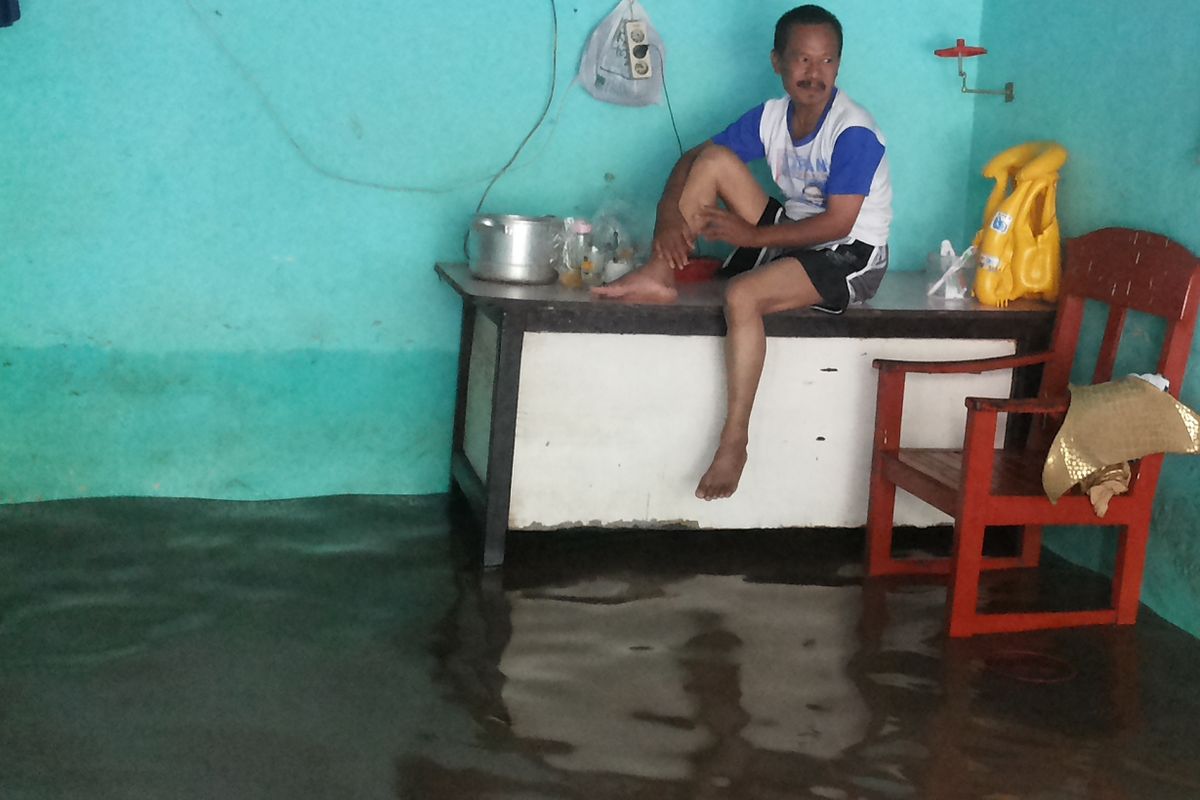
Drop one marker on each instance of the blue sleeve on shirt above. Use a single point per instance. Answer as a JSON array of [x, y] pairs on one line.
[[856, 155], [743, 137]]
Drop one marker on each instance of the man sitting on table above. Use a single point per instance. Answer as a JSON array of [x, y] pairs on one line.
[[825, 247]]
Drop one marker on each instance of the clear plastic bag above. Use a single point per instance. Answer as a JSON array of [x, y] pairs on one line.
[[576, 247], [606, 68], [618, 232], [949, 275]]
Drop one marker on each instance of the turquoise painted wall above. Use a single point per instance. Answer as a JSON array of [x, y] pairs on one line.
[[218, 220], [1116, 84]]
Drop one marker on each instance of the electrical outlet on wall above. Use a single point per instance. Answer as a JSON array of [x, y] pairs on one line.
[[637, 41]]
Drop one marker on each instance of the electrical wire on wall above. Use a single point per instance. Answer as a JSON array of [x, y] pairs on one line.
[[662, 70], [536, 125], [566, 96], [310, 161], [550, 99], [546, 110]]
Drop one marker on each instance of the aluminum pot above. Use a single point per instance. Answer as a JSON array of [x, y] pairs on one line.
[[516, 249]]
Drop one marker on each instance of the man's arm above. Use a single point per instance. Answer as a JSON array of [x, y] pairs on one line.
[[841, 212], [835, 222]]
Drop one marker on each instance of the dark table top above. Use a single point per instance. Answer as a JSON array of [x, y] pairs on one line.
[[900, 308]]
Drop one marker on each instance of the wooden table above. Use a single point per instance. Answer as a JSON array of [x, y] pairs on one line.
[[576, 412]]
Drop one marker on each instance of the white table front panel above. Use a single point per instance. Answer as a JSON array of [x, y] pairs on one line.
[[616, 430]]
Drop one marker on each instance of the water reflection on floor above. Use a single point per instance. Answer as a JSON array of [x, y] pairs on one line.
[[334, 648]]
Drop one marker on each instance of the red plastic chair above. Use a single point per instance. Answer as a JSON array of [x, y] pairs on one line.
[[981, 486]]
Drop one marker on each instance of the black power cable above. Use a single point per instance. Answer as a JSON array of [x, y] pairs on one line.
[[532, 131]]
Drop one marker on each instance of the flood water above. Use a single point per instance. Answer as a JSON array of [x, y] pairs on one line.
[[340, 648]]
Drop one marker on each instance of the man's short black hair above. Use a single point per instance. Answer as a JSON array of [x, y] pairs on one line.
[[805, 15]]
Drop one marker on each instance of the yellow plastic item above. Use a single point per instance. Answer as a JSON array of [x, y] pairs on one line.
[[1018, 247]]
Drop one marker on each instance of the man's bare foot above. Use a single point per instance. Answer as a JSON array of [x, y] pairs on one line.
[[721, 479], [637, 287]]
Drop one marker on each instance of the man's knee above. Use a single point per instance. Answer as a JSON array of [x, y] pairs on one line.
[[741, 299], [718, 158]]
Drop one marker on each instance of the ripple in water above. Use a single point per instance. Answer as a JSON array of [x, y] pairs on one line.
[[89, 628]]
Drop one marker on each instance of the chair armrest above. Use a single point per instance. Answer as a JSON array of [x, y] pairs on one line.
[[967, 366], [1034, 405]]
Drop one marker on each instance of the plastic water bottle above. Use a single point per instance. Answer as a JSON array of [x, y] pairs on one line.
[[579, 243]]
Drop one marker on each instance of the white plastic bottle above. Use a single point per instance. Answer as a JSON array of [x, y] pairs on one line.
[[579, 243]]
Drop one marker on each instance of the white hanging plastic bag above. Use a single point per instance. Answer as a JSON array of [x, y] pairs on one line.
[[623, 60]]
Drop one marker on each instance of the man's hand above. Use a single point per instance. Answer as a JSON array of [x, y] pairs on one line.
[[726, 226], [673, 240]]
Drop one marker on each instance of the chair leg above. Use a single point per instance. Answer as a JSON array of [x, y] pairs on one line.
[[881, 505], [881, 511], [963, 591], [1127, 576], [1031, 545]]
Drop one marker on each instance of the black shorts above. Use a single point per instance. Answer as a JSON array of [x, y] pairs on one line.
[[845, 273]]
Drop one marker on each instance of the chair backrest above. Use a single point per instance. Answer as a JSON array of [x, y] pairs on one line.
[[1126, 270]]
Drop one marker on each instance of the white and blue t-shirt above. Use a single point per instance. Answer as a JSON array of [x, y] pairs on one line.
[[844, 155]]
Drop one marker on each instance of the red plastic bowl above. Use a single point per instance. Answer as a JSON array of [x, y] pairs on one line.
[[698, 270]]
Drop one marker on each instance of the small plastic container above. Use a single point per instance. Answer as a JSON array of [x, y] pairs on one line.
[[950, 277], [592, 268], [579, 243], [698, 270], [617, 269], [575, 253]]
